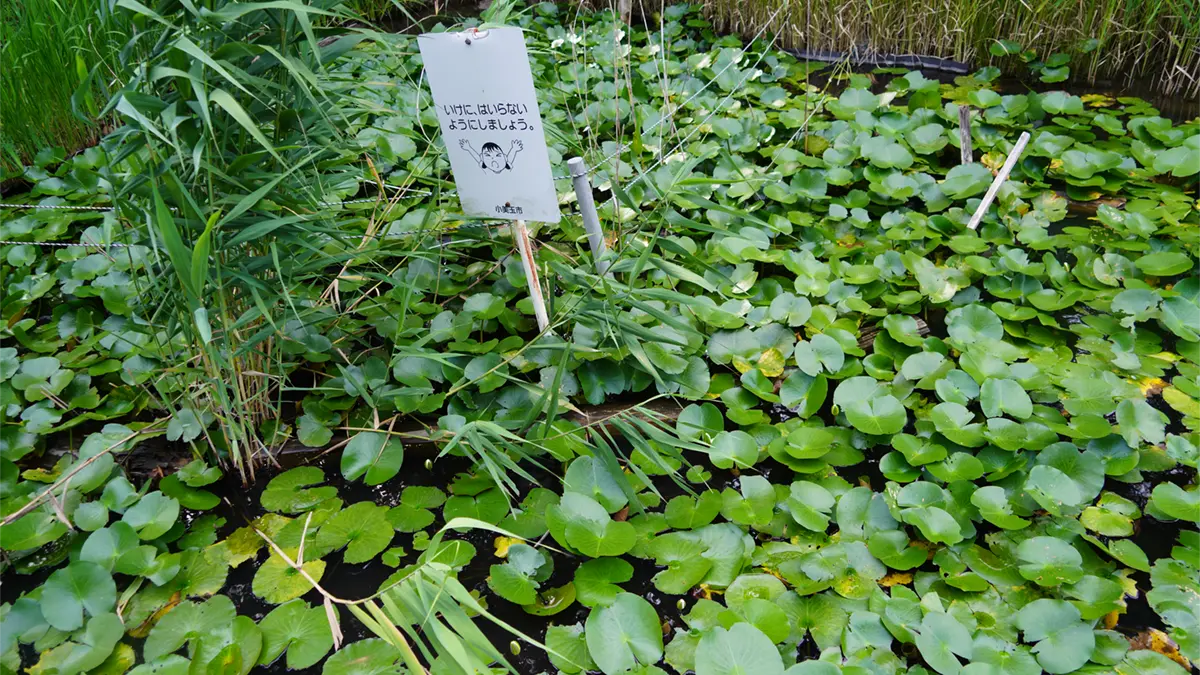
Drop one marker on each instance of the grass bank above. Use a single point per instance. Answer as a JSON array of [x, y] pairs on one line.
[[1122, 42]]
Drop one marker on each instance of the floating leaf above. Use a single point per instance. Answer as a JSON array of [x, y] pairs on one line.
[[373, 455], [288, 492], [277, 582], [75, 589], [741, 650], [624, 634], [362, 528], [302, 631]]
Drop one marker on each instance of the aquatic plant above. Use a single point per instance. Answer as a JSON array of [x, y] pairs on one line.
[[810, 421]]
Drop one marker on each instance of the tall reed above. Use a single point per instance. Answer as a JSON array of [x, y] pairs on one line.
[[1155, 40], [47, 49]]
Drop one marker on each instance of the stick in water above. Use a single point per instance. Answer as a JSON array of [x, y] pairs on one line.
[[964, 134], [1000, 178], [531, 276]]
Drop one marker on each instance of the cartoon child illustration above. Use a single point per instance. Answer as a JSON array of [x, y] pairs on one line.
[[491, 157]]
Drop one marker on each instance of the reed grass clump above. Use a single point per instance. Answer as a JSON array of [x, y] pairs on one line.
[[1156, 40], [48, 48]]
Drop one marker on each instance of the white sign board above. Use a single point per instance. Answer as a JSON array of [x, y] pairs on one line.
[[488, 111]]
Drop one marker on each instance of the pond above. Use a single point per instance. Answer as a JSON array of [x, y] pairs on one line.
[[810, 423]]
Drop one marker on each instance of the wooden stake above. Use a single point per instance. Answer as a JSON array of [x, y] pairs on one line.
[[531, 276], [964, 134], [1000, 178]]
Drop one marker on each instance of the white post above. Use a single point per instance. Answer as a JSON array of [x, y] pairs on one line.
[[531, 276], [1000, 178], [587, 208]]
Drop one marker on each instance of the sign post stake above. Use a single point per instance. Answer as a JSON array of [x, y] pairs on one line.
[[587, 207], [531, 276], [1000, 178]]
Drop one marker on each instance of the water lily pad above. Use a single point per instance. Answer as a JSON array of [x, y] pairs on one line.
[[198, 473], [741, 650], [373, 456], [941, 638], [75, 589], [586, 527], [186, 622], [730, 448], [362, 528], [188, 497], [152, 515], [172, 664], [489, 506], [302, 631], [85, 650], [589, 476], [624, 634], [596, 580], [371, 656], [289, 492], [552, 601], [567, 649], [277, 582], [1064, 642], [1173, 501], [519, 577]]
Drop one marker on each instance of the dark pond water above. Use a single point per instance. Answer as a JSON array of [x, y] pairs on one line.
[[353, 581]]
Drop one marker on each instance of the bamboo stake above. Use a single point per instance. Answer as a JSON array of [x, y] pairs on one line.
[[1000, 178], [964, 134], [531, 276]]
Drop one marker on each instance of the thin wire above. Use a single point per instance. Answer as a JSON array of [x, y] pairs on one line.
[[61, 207], [67, 244], [70, 207], [458, 227]]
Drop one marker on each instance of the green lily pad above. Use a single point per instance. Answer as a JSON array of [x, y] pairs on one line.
[[596, 580], [371, 656], [372, 455], [277, 582], [288, 492], [1064, 642], [87, 649], [302, 631], [518, 579], [567, 649], [362, 528], [75, 589], [741, 650], [624, 634]]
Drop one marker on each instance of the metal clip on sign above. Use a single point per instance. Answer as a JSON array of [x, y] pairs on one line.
[[587, 207]]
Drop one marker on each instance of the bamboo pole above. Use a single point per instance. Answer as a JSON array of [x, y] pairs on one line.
[[1000, 178]]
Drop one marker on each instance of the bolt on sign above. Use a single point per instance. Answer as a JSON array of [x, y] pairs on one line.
[[487, 108]]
